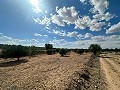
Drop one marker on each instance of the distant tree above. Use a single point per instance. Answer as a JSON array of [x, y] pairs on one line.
[[14, 51], [116, 50], [49, 51], [95, 48], [79, 51], [32, 51], [48, 46], [57, 50], [62, 52]]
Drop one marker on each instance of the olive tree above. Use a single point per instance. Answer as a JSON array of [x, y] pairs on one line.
[[95, 48], [14, 51], [62, 52]]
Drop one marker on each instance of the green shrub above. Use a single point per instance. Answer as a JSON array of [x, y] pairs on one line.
[[49, 51], [79, 51], [95, 48], [14, 51], [62, 52]]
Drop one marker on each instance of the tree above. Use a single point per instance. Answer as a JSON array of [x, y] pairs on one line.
[[32, 50], [49, 51], [62, 52], [79, 51], [95, 48], [14, 51], [48, 46]]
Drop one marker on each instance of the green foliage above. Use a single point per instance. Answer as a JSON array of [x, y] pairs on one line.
[[62, 52], [80, 51], [32, 50], [95, 48], [57, 50], [49, 51], [14, 51], [48, 46]]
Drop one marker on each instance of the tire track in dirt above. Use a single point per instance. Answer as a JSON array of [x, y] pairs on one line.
[[112, 72]]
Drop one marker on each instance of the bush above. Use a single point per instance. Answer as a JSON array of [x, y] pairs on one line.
[[32, 51], [62, 52], [79, 51], [49, 51], [48, 46], [95, 48], [14, 52]]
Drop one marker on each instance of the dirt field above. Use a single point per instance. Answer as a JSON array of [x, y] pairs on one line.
[[52, 72], [43, 72], [110, 64]]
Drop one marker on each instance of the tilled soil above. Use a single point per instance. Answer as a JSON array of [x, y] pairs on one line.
[[43, 72], [110, 64], [90, 78]]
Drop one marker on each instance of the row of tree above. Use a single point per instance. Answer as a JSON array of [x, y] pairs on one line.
[[17, 51]]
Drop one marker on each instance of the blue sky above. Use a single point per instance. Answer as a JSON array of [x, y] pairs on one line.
[[63, 23]]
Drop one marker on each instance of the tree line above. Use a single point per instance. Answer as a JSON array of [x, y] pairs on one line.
[[17, 51]]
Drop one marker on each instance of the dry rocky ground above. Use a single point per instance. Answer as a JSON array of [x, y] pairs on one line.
[[52, 72], [110, 64]]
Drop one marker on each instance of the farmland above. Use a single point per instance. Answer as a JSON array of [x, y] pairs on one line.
[[53, 72]]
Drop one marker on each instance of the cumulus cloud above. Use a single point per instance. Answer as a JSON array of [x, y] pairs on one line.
[[88, 35], [60, 33], [107, 16], [65, 15], [45, 21], [72, 34], [114, 28], [83, 1], [57, 20], [58, 42], [85, 22], [99, 6], [111, 41], [99, 38]]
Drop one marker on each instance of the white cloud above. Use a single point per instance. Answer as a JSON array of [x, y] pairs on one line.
[[45, 21], [45, 35], [57, 20], [8, 40], [113, 29], [99, 38], [99, 6], [85, 22], [60, 33], [72, 34], [58, 42], [65, 15], [107, 16], [83, 1], [112, 41], [88, 35], [37, 34], [48, 28]]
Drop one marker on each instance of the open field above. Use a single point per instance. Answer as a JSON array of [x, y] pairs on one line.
[[52, 72], [41, 72], [110, 64]]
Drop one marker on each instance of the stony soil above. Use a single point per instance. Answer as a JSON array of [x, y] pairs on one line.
[[110, 64], [43, 72], [52, 72]]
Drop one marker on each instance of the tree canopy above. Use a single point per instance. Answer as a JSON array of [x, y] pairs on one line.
[[95, 48], [14, 51]]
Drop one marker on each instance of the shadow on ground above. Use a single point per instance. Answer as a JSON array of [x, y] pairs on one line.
[[13, 63]]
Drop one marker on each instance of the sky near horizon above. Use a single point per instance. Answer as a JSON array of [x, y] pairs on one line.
[[63, 23]]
